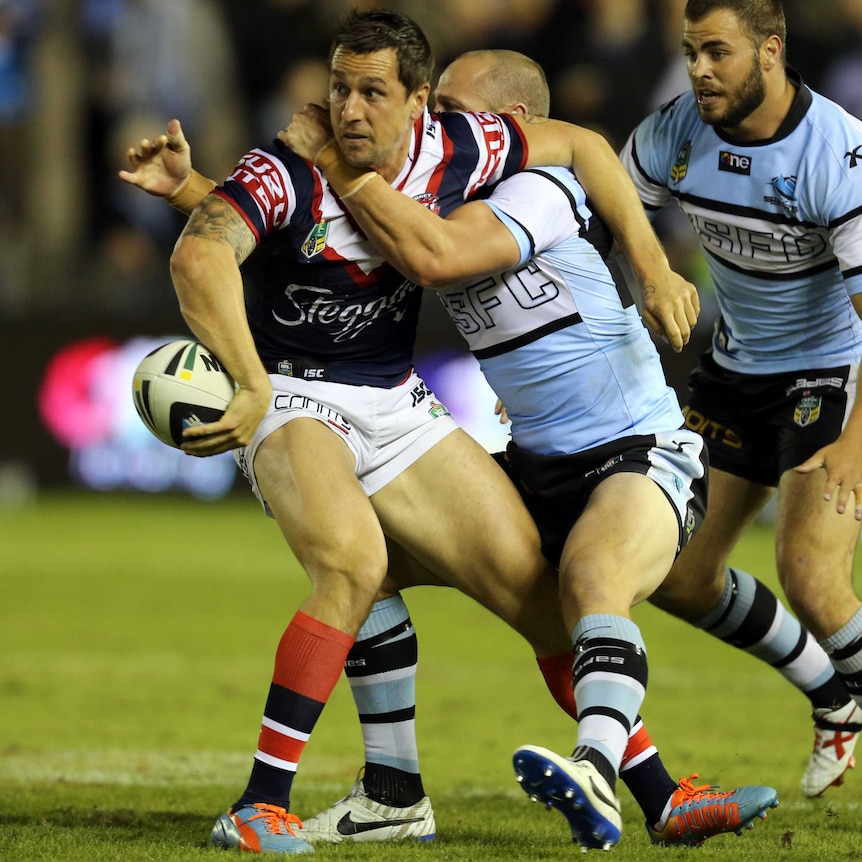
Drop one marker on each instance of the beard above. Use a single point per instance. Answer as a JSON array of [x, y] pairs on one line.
[[747, 99]]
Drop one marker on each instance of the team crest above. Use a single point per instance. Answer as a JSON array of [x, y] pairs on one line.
[[315, 242], [784, 194], [807, 410], [680, 166]]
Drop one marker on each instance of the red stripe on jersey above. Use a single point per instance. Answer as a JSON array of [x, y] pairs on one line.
[[279, 745], [310, 657], [440, 170]]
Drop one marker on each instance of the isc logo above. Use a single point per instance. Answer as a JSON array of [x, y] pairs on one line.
[[734, 163], [312, 373]]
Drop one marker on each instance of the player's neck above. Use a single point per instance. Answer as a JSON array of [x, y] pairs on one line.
[[763, 123]]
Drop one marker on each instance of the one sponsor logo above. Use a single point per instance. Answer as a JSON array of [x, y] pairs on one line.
[[343, 317], [285, 367], [302, 402], [814, 383], [315, 242], [734, 163], [854, 155], [807, 410], [784, 189], [680, 166], [710, 429]]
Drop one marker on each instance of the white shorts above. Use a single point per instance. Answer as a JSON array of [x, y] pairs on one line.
[[386, 429]]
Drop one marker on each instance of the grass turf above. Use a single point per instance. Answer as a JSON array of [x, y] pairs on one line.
[[137, 637]]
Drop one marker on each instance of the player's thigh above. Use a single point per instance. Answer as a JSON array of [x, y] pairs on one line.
[[306, 475], [457, 513], [815, 547], [621, 547]]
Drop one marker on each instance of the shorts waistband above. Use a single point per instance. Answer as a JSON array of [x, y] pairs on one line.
[[306, 369]]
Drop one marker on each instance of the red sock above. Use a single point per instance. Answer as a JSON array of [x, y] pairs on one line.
[[309, 660]]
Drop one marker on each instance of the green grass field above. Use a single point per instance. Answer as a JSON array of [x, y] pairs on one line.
[[136, 645]]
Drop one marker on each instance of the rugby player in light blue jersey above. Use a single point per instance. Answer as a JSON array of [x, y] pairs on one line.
[[769, 174], [613, 482]]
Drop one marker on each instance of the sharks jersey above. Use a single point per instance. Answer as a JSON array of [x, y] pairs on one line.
[[779, 222], [316, 290], [564, 348]]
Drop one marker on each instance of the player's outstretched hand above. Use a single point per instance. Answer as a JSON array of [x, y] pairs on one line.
[[162, 166], [309, 131], [670, 308], [234, 429], [842, 462]]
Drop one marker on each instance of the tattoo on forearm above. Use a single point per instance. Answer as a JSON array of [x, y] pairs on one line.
[[217, 220]]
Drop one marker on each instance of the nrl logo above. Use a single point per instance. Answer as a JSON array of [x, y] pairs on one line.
[[315, 242], [680, 166], [807, 410]]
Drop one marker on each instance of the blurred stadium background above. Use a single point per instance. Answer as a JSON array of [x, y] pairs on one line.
[[84, 284]]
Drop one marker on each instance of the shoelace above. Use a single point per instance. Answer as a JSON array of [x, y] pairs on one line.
[[710, 791], [275, 819]]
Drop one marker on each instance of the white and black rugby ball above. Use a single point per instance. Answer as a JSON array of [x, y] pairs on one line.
[[179, 385]]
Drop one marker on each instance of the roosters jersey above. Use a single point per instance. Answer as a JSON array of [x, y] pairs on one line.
[[316, 289], [560, 343], [779, 222]]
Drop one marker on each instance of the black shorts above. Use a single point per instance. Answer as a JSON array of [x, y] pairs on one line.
[[759, 426], [556, 488]]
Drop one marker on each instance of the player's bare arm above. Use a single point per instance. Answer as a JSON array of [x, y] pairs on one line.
[[205, 271]]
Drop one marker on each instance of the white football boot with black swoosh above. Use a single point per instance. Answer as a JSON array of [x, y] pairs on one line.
[[356, 817]]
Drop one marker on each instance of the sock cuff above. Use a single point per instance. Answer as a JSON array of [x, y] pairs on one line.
[[385, 615], [845, 635], [608, 625]]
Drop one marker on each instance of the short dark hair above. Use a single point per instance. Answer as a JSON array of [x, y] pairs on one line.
[[378, 29], [760, 18]]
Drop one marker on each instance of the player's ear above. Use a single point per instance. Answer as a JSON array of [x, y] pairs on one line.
[[420, 98], [770, 52], [518, 108]]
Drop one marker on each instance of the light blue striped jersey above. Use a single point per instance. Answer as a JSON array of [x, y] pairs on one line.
[[560, 344], [779, 222]]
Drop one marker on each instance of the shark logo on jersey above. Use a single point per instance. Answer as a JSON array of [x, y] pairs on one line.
[[854, 155], [315, 242], [734, 163], [680, 166], [807, 410], [785, 194]]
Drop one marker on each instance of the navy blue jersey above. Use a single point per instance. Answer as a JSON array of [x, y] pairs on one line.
[[316, 287]]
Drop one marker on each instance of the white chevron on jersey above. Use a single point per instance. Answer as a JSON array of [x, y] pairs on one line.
[[779, 221]]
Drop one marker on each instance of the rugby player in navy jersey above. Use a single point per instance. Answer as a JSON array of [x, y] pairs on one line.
[[383, 660], [770, 176]]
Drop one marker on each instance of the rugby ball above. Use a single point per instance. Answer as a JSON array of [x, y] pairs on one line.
[[179, 385]]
